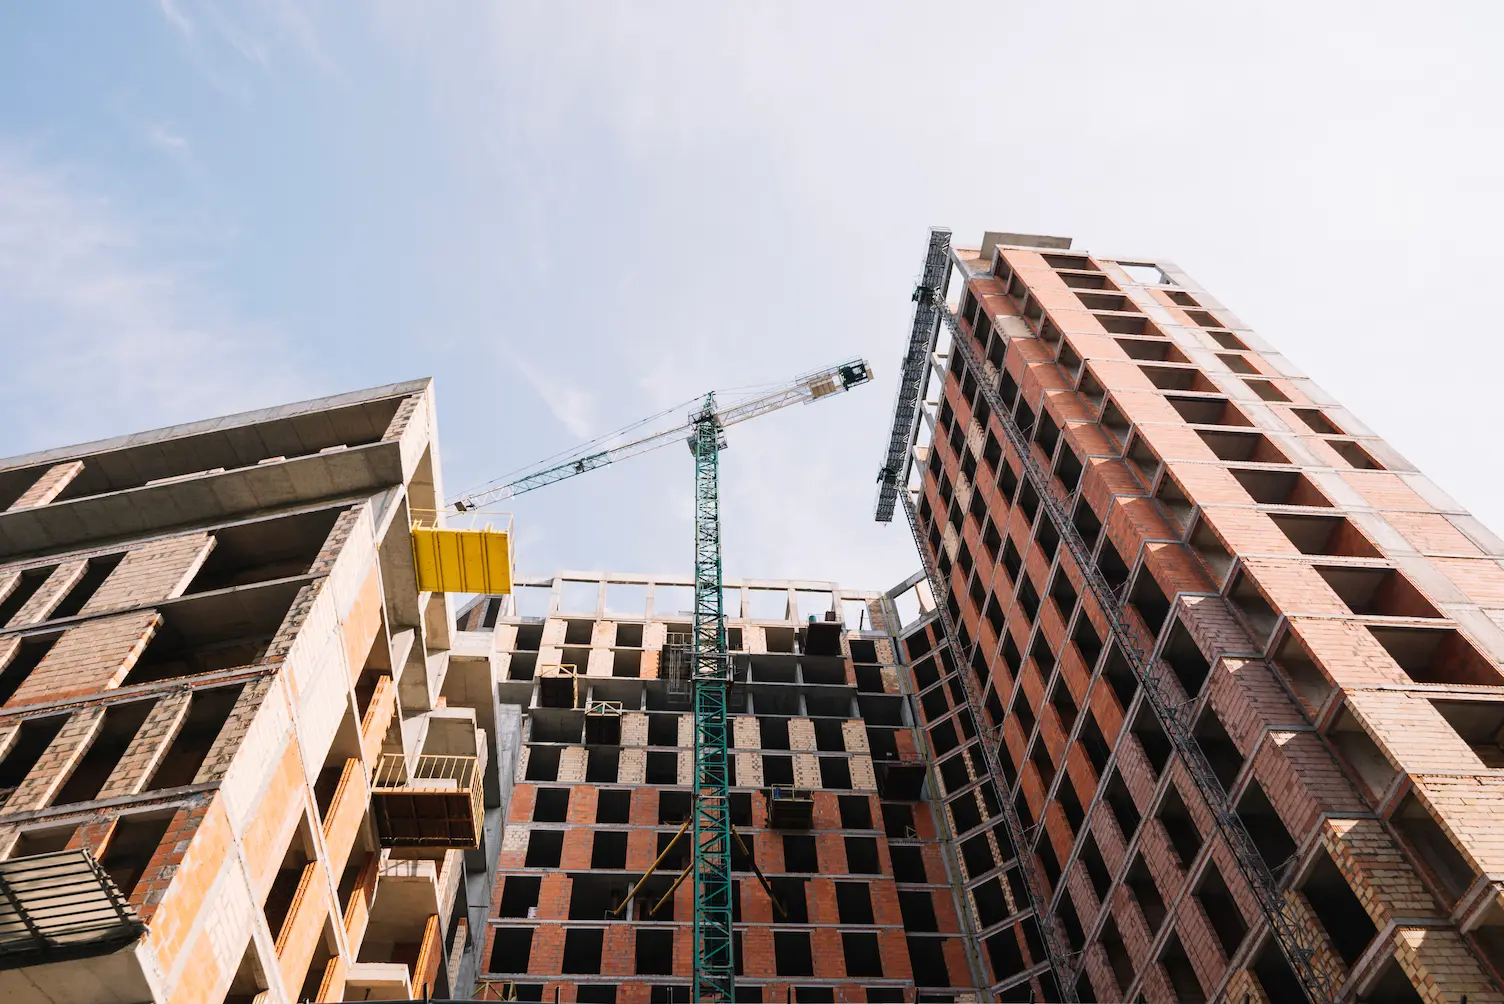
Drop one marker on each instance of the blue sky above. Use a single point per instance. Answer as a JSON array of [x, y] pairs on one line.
[[574, 215]]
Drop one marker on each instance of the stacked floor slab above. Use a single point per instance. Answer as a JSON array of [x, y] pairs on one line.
[[210, 639], [865, 882], [1322, 621]]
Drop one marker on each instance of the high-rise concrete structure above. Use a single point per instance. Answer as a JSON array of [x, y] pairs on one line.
[[1231, 662], [829, 798], [241, 756]]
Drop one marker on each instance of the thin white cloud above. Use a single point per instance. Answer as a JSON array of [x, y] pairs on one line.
[[163, 138], [572, 407], [104, 328]]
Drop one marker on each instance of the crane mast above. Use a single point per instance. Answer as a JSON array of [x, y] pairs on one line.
[[709, 663], [710, 675]]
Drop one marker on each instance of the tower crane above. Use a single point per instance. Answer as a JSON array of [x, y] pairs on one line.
[[709, 664]]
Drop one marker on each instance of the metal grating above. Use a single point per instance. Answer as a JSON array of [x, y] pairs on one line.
[[59, 905]]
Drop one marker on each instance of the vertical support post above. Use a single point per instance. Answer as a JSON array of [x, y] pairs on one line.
[[710, 675]]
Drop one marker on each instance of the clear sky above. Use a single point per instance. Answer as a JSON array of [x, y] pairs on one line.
[[573, 215]]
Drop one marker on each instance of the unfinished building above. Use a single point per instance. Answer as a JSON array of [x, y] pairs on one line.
[[1227, 664], [240, 756], [844, 879]]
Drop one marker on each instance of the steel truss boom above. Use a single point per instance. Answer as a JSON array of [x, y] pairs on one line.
[[803, 389]]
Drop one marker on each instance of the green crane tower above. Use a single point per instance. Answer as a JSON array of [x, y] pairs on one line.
[[710, 673]]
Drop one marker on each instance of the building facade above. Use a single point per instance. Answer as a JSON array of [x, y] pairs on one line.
[[844, 881], [1227, 663], [241, 758]]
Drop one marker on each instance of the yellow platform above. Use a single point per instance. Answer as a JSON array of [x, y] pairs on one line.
[[452, 560]]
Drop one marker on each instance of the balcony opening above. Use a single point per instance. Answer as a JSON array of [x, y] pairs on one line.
[[1363, 754], [1154, 350], [542, 763], [1436, 655], [35, 736], [1257, 615], [1347, 923], [1356, 456], [1300, 671], [1152, 739], [791, 894], [861, 856], [1121, 324], [1119, 677], [1180, 828], [1115, 423], [977, 854], [1096, 867], [1242, 447], [1146, 893], [1182, 974], [96, 570], [1087, 525], [1208, 410], [1221, 752], [1380, 592], [654, 953], [1094, 744], [773, 733], [626, 663], [133, 843], [295, 862], [791, 953], [908, 863], [213, 633], [1173, 500], [927, 960], [265, 550], [1274, 974], [1112, 566], [595, 993], [863, 958], [1221, 910], [1267, 487], [582, 950], [778, 771], [120, 725], [208, 711], [609, 849], [26, 586], [594, 897], [603, 765], [1068, 468], [519, 894], [603, 730], [1392, 987], [1334, 535], [1189, 378], [43, 841], [1149, 600], [1184, 657], [511, 950], [1429, 843], [1120, 801], [1118, 956], [1266, 389], [1480, 724], [544, 849], [1266, 828], [25, 658], [551, 805]]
